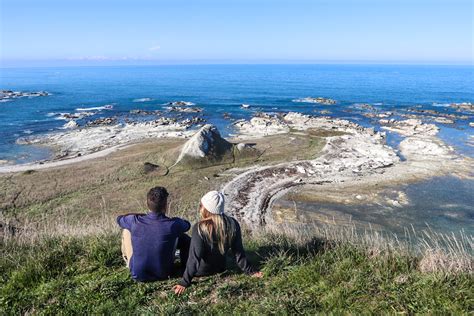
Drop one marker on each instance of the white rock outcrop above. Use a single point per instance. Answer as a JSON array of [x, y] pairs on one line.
[[70, 125], [411, 127], [356, 156], [207, 142]]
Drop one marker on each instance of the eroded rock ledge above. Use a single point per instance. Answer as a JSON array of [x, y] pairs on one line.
[[359, 155], [84, 141]]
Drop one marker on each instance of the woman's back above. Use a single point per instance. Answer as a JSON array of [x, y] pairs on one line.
[[211, 239], [218, 231], [209, 245]]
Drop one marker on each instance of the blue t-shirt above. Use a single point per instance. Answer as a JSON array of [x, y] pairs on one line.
[[154, 238]]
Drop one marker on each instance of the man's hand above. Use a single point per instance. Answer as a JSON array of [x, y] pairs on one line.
[[257, 275], [178, 289]]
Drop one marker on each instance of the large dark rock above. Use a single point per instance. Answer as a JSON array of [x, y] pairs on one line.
[[149, 167]]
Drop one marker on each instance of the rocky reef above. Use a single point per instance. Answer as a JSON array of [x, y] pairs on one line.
[[184, 109], [266, 124], [144, 112], [104, 133], [464, 106], [319, 100], [180, 103], [355, 156], [103, 121], [73, 116], [410, 127], [7, 95]]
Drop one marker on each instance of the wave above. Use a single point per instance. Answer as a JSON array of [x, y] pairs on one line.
[[319, 100], [304, 100], [180, 103], [72, 116], [97, 108], [441, 105], [143, 100]]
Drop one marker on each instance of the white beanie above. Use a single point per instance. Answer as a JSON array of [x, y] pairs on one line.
[[213, 201]]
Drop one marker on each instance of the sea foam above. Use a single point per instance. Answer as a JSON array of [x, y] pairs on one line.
[[143, 100], [97, 108], [441, 105]]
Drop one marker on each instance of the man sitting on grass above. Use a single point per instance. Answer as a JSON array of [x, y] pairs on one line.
[[149, 240]]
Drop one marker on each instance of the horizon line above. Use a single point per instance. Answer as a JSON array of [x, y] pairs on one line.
[[44, 63]]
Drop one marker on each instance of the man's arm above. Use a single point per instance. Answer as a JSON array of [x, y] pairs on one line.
[[180, 226], [184, 225], [126, 221]]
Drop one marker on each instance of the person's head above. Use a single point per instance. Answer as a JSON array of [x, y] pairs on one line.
[[215, 226], [157, 200]]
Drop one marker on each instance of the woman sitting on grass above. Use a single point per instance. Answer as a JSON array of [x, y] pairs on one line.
[[211, 239]]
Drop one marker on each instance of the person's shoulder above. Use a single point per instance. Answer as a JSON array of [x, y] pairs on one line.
[[128, 220], [178, 220], [195, 229], [234, 220], [131, 216], [181, 223], [236, 225]]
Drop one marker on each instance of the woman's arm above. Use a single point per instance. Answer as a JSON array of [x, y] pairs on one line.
[[196, 252], [239, 252]]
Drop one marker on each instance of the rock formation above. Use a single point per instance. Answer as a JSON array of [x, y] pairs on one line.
[[8, 94], [149, 167], [206, 144], [320, 100], [355, 156]]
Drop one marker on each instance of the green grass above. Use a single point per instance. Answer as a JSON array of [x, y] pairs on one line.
[[87, 276]]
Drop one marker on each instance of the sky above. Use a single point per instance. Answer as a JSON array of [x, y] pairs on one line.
[[236, 31]]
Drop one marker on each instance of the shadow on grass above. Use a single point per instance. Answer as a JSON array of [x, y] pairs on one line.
[[272, 256]]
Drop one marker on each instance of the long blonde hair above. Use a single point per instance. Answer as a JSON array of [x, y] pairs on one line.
[[216, 228]]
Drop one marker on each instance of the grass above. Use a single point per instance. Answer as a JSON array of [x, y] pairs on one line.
[[61, 253], [120, 179], [86, 275]]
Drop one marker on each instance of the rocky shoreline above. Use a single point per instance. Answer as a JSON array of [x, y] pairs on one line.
[[358, 157], [352, 156], [104, 133]]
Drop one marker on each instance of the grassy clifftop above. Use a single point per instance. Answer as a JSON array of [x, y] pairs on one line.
[[87, 275], [61, 253]]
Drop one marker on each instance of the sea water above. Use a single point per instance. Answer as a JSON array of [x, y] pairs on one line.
[[219, 89], [222, 89]]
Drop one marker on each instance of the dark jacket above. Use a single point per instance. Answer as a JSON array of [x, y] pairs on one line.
[[205, 259]]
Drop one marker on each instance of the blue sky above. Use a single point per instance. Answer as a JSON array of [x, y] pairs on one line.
[[178, 31]]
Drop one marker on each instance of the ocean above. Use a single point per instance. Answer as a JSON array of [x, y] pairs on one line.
[[220, 89]]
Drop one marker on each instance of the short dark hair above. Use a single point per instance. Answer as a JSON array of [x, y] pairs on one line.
[[156, 199]]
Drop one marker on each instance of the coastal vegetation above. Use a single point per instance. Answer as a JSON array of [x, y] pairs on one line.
[[70, 275], [61, 246], [329, 142]]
